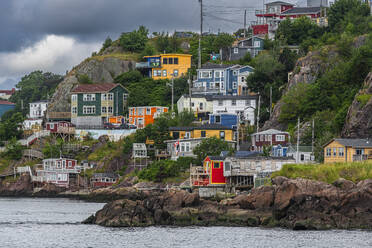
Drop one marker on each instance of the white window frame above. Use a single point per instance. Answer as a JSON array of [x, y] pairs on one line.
[[257, 44], [341, 152], [89, 97], [175, 73], [110, 110], [110, 96], [202, 74], [164, 73], [236, 50], [328, 152], [74, 110], [103, 110], [279, 137], [89, 110], [235, 72], [235, 85], [73, 98]]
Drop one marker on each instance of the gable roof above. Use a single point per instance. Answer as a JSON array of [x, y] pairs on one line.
[[271, 131], [233, 97], [302, 10], [354, 143], [279, 2], [210, 65], [95, 88]]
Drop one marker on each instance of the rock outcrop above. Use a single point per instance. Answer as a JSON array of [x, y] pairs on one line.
[[20, 187], [297, 204], [99, 70], [358, 122]]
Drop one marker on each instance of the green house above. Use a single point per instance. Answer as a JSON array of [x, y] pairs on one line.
[[93, 104]]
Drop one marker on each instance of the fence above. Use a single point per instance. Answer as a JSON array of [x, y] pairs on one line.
[[35, 136]]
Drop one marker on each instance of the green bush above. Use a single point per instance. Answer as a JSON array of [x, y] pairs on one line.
[[84, 79], [134, 41], [363, 99]]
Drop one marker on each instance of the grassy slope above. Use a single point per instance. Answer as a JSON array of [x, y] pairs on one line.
[[329, 173]]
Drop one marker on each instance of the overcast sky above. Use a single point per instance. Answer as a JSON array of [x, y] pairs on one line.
[[55, 35]]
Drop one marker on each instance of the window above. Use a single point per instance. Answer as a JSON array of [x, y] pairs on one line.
[[203, 134], [170, 61], [235, 85], [217, 119], [222, 135], [155, 73], [165, 61], [341, 151], [110, 110], [175, 61], [89, 97], [201, 106], [227, 166], [59, 164], [216, 165], [104, 110], [125, 97], [69, 163], [74, 110], [159, 73], [256, 44], [217, 74], [280, 137], [261, 138], [164, 73], [220, 103], [185, 147], [73, 98], [89, 109], [236, 50], [205, 74], [334, 152], [235, 73], [242, 79], [187, 135], [140, 111], [175, 73], [359, 151], [192, 104], [64, 164], [247, 103], [110, 96], [233, 102], [51, 125], [148, 111]]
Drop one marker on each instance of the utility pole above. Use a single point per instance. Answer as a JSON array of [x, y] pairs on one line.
[[237, 132], [245, 23], [298, 138], [190, 93], [312, 138], [172, 93], [201, 33], [258, 112]]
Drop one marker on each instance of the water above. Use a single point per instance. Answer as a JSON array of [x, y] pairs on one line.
[[26, 222]]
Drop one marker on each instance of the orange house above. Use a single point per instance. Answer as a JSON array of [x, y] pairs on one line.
[[143, 116]]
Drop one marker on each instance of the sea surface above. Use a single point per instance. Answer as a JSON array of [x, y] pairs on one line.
[[34, 222]]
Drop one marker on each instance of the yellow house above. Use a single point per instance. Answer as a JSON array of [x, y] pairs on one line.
[[347, 150], [166, 66], [204, 131]]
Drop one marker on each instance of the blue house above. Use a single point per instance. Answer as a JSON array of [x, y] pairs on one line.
[[279, 151], [5, 106], [219, 79], [252, 45], [224, 119]]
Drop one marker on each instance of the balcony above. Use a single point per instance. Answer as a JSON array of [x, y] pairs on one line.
[[266, 12], [147, 65], [204, 90], [362, 157]]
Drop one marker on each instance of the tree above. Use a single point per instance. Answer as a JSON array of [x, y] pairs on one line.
[[9, 128], [222, 40], [106, 44], [84, 79], [134, 41], [210, 146], [14, 149], [128, 78]]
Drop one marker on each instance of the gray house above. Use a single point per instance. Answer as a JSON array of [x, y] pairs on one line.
[[252, 45]]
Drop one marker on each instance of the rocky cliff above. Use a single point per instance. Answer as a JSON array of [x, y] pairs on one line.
[[359, 117], [292, 203], [99, 69]]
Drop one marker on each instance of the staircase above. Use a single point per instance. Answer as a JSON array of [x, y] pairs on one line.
[[30, 140]]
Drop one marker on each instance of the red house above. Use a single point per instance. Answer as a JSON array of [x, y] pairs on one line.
[[213, 166], [269, 137], [59, 127], [100, 180]]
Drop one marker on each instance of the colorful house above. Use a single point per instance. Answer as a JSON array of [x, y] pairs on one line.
[[219, 79], [143, 116], [166, 66], [185, 139], [347, 150], [270, 137], [58, 171], [6, 94], [5, 106], [213, 165], [226, 120], [100, 180], [201, 105], [93, 104]]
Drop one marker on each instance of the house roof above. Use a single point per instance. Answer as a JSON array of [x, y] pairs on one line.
[[210, 65], [293, 148], [6, 103], [94, 88], [355, 143], [202, 127], [216, 157], [271, 131], [169, 54], [279, 2], [41, 101], [109, 175], [8, 92], [207, 97], [302, 10], [232, 97], [244, 154]]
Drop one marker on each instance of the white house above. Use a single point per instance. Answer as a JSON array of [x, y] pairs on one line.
[[305, 154], [29, 124], [38, 109], [199, 104], [245, 106]]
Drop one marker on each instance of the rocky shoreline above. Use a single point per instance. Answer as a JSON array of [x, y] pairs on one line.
[[297, 204]]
